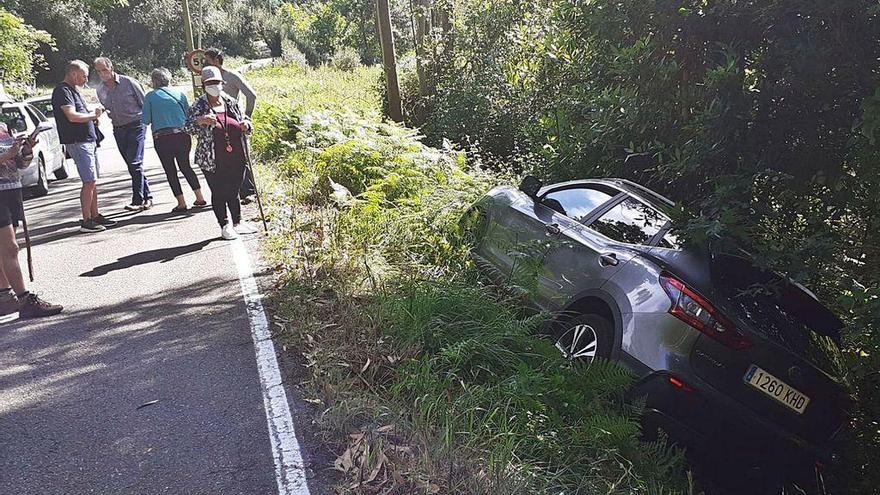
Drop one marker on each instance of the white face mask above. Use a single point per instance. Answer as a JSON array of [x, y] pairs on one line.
[[214, 89]]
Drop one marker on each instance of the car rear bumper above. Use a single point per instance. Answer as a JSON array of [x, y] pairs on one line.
[[713, 425]]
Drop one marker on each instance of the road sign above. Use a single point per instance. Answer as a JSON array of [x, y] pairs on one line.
[[195, 61]]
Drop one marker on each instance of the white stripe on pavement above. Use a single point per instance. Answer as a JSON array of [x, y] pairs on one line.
[[289, 468]]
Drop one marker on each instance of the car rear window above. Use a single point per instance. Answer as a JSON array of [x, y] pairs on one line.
[[631, 221], [778, 309]]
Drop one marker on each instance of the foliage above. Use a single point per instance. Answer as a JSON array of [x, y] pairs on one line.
[[290, 53], [425, 378], [762, 119], [139, 35], [346, 59], [18, 46]]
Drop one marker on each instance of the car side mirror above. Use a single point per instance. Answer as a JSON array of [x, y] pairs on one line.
[[45, 126], [530, 185], [639, 161]]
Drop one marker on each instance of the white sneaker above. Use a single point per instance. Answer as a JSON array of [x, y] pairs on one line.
[[245, 228], [228, 233]]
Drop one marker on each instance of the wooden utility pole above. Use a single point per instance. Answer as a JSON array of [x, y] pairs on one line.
[[386, 38], [188, 37]]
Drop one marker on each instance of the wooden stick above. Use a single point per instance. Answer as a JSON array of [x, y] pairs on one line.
[[247, 154], [27, 244]]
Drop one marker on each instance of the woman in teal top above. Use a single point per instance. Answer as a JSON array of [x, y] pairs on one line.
[[165, 109]]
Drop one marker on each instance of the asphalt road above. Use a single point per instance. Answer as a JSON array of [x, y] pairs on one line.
[[147, 383]]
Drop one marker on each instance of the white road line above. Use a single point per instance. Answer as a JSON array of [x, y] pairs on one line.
[[289, 468]]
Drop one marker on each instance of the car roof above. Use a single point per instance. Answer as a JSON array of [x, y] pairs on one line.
[[39, 98]]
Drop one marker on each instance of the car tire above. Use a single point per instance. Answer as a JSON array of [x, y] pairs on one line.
[[61, 172], [584, 337], [41, 188]]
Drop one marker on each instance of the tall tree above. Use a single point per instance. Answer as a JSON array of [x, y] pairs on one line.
[[18, 50]]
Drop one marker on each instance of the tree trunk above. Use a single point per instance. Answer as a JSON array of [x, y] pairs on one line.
[[386, 38], [423, 28]]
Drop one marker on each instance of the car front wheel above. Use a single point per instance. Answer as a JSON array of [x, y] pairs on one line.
[[41, 188], [584, 338], [60, 172]]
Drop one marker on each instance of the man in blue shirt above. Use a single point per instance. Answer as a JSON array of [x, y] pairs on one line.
[[76, 131], [123, 97]]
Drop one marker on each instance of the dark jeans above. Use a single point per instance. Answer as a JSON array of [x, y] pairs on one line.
[[173, 148], [225, 183], [130, 141]]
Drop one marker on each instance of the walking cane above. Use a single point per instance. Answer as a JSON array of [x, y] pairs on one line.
[[247, 155], [27, 245]]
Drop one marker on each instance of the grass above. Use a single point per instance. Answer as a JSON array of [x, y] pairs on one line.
[[427, 381]]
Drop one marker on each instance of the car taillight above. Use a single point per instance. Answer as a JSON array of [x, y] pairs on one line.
[[684, 387], [697, 312]]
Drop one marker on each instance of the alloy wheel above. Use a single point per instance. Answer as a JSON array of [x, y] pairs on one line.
[[579, 342]]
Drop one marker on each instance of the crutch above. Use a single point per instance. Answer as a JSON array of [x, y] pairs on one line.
[[27, 245], [247, 155]]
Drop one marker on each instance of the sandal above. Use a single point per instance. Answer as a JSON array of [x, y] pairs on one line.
[[200, 204], [179, 209]]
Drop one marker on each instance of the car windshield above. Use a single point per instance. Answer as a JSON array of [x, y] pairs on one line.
[[778, 309], [44, 106]]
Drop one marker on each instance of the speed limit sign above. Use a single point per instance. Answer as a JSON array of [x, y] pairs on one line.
[[195, 61]]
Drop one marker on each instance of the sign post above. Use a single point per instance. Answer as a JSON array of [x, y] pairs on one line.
[[195, 62], [190, 48]]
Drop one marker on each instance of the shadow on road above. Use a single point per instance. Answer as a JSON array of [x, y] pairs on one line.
[[81, 382], [163, 255], [58, 231]]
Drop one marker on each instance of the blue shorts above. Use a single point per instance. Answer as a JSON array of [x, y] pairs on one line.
[[85, 156]]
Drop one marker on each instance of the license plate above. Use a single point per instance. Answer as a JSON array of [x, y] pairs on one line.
[[776, 389]]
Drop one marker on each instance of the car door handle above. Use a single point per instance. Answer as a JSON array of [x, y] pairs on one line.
[[608, 259], [553, 229]]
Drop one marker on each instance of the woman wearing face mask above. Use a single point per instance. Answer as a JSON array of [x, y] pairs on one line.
[[220, 126]]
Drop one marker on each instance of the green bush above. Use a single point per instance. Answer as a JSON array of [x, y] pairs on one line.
[[762, 119], [290, 53], [483, 383], [346, 59], [365, 223]]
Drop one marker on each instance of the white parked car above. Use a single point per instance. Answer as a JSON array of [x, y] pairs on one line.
[[23, 118]]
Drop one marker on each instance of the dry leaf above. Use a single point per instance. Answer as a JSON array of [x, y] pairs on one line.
[[344, 463], [377, 469]]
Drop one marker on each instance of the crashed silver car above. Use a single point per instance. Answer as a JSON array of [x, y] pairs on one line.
[[732, 359]]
